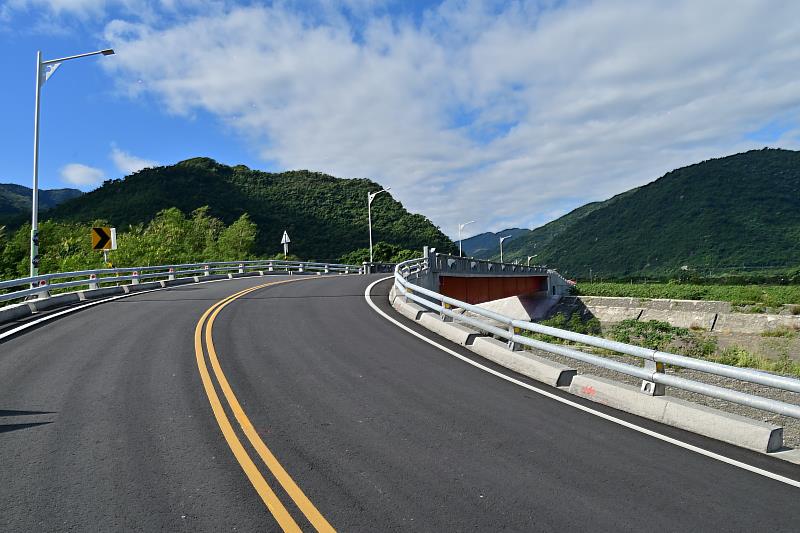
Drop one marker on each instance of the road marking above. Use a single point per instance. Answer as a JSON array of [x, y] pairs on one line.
[[51, 316], [640, 429], [259, 483]]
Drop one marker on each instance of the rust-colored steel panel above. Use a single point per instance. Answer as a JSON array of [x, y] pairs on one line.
[[477, 290], [454, 287]]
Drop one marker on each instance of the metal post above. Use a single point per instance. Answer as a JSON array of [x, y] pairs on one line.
[[34, 258], [649, 387], [369, 216], [41, 76]]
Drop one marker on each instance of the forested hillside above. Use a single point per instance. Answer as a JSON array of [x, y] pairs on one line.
[[734, 214], [326, 217], [15, 200]]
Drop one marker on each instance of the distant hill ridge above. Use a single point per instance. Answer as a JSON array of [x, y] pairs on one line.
[[737, 213], [15, 200], [325, 216]]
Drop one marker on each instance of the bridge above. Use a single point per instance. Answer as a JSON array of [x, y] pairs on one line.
[[308, 396]]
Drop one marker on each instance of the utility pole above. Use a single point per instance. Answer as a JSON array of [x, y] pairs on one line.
[[44, 69], [370, 197]]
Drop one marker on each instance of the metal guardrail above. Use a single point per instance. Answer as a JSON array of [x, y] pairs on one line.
[[652, 373], [40, 286]]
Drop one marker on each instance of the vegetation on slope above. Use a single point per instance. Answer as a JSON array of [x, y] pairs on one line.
[[326, 217], [15, 200], [739, 295], [733, 214], [170, 238]]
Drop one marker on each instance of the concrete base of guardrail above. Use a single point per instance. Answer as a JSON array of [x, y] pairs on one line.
[[178, 281], [527, 364], [142, 286], [412, 310], [14, 312], [103, 292], [242, 275], [727, 427], [454, 332], [54, 301]]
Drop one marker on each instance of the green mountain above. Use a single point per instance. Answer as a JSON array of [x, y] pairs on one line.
[[485, 245], [325, 216], [15, 200], [736, 213]]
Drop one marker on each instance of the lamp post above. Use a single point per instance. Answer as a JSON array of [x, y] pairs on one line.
[[44, 69], [371, 196], [461, 227], [501, 246], [531, 257]]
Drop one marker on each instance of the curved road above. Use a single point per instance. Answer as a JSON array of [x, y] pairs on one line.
[[335, 417]]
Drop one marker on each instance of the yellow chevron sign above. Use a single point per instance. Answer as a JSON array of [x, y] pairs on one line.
[[104, 238]]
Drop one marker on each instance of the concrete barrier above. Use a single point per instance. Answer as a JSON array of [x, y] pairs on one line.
[[55, 301], [178, 281], [10, 313], [243, 275], [142, 286], [525, 363], [103, 292], [730, 428]]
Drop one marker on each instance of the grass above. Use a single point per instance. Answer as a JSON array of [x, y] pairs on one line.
[[788, 333], [755, 297]]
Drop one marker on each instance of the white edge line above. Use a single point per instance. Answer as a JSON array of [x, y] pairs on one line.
[[69, 310], [640, 429]]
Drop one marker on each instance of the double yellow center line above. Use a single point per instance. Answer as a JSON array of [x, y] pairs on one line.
[[270, 499]]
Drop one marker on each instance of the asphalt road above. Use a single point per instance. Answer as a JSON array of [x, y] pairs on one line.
[[106, 424]]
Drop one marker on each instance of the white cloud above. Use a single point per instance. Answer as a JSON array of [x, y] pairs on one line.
[[81, 175], [480, 111], [128, 163]]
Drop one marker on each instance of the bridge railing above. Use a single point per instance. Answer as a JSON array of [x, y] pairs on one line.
[[42, 285], [652, 374]]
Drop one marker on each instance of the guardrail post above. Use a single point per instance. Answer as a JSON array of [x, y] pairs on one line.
[[446, 318], [171, 274], [300, 268], [269, 266], [649, 387], [241, 268], [43, 284], [513, 346], [92, 281], [206, 270], [135, 280], [327, 269]]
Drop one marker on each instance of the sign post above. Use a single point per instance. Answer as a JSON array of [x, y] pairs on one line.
[[104, 239], [285, 242]]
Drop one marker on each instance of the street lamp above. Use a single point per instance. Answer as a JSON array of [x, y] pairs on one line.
[[461, 227], [501, 246], [44, 69], [371, 196], [531, 257]]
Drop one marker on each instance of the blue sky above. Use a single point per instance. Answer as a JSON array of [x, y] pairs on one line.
[[509, 113]]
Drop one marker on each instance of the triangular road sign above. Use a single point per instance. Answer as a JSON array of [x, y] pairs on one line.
[[285, 239]]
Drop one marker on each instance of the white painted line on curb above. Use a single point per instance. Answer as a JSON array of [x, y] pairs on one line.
[[640, 429]]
